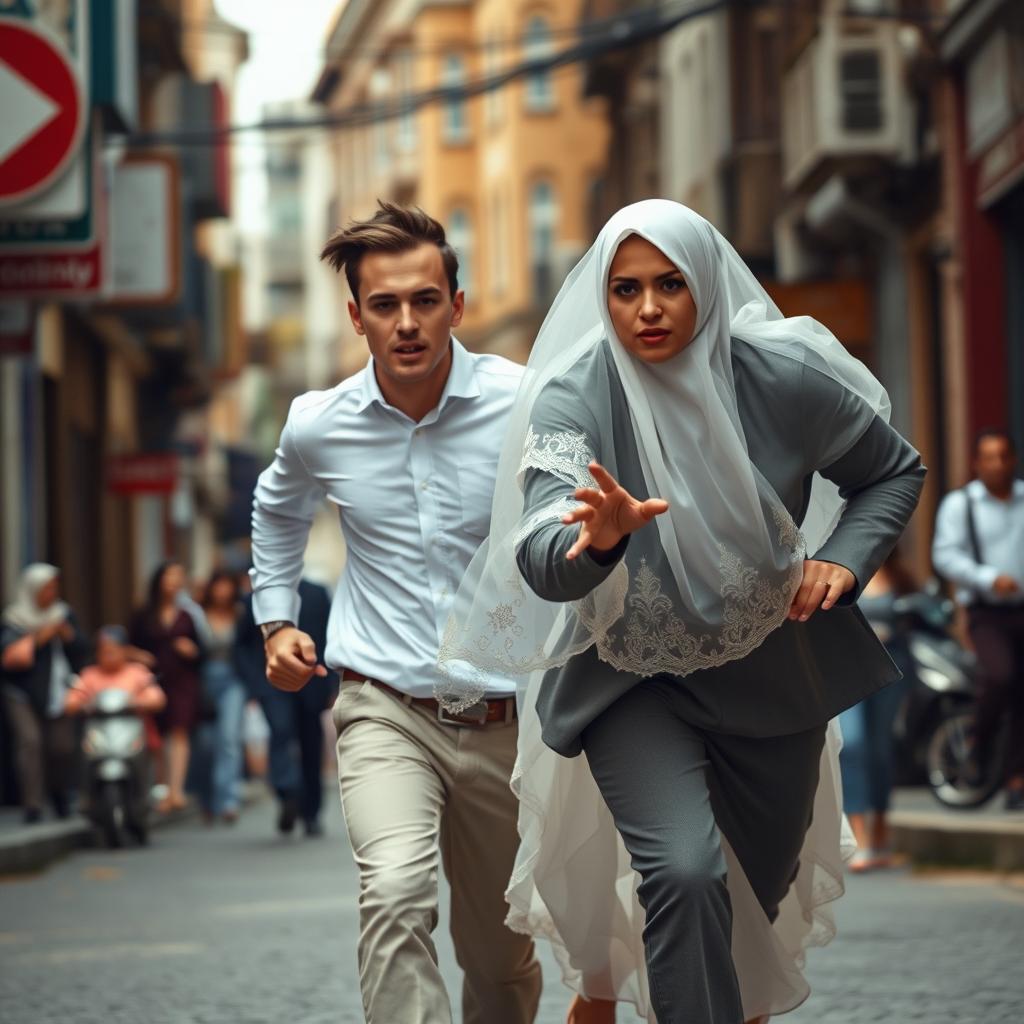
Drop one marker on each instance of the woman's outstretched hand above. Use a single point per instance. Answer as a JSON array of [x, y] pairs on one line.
[[608, 513], [823, 584]]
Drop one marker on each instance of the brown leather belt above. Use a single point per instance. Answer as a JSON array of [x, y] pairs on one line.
[[487, 712]]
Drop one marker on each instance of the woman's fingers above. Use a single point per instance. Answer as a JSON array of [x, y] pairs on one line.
[[653, 507], [580, 514], [806, 600], [823, 584], [841, 582], [604, 479], [590, 496], [581, 545]]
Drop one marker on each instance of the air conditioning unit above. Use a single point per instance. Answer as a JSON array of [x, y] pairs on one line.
[[845, 98]]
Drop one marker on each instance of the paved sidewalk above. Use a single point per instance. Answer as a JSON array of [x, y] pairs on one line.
[[28, 848], [924, 830]]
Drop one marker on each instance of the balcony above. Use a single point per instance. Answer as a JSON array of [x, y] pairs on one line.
[[845, 103]]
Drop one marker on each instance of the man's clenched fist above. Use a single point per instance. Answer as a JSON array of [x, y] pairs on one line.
[[291, 659]]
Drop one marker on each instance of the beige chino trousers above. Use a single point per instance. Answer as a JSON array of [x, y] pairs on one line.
[[411, 787]]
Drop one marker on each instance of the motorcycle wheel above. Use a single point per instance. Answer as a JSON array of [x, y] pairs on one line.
[[112, 814], [948, 765]]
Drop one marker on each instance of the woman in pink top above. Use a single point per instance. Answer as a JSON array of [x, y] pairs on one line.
[[115, 671]]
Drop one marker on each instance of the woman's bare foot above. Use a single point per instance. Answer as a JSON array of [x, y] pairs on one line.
[[591, 1011]]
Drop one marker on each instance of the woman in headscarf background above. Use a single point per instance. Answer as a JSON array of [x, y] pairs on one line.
[[41, 648], [671, 432], [167, 631]]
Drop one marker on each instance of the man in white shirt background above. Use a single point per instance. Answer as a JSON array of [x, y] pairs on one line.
[[407, 450], [979, 546]]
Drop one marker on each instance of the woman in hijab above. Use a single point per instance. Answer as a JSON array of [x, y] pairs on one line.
[[165, 629], [677, 625], [40, 650]]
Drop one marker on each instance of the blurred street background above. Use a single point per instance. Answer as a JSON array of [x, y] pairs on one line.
[[169, 171]]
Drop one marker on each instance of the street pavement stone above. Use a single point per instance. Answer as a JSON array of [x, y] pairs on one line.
[[238, 926]]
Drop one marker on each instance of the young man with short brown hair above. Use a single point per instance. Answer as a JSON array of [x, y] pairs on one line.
[[407, 450]]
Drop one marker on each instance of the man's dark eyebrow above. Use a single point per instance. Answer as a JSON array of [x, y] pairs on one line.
[[430, 289]]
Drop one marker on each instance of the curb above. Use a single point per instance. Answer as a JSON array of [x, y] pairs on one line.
[[956, 840], [31, 848]]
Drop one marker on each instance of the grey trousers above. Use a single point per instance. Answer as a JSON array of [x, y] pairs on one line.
[[44, 753], [673, 788]]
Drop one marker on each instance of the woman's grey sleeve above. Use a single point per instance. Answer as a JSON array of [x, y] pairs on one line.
[[880, 478]]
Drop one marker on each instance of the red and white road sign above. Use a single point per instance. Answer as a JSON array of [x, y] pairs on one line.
[[77, 272], [42, 111]]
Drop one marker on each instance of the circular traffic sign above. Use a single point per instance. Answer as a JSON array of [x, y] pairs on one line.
[[42, 111]]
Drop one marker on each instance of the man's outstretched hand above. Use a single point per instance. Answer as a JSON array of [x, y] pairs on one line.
[[291, 659], [608, 513]]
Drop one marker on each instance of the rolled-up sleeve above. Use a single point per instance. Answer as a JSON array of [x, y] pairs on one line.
[[283, 507]]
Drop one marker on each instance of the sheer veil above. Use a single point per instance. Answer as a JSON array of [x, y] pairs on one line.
[[743, 551], [656, 612]]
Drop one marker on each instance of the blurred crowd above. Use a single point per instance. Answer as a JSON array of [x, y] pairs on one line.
[[191, 661]]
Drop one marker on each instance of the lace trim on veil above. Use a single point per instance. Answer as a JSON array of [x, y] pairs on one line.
[[633, 623]]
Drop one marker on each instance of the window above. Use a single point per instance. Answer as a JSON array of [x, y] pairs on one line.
[[460, 237], [543, 219], [860, 84], [453, 75], [540, 93]]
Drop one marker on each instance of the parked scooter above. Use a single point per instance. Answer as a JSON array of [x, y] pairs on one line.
[[117, 772], [935, 723]]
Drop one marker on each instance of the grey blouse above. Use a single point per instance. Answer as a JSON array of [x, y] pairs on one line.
[[804, 673]]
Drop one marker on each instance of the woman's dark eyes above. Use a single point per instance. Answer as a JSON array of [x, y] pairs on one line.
[[672, 285]]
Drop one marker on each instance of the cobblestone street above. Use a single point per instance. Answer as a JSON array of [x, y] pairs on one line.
[[235, 925]]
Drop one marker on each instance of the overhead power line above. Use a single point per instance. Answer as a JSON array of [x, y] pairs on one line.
[[593, 39], [616, 34]]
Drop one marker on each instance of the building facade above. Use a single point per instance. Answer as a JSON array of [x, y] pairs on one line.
[[509, 170]]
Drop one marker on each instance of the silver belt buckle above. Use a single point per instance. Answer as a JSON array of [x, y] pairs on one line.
[[475, 714]]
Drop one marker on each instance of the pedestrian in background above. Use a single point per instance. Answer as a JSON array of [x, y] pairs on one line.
[[41, 648], [224, 696], [867, 754], [116, 669], [169, 633], [979, 546], [296, 734]]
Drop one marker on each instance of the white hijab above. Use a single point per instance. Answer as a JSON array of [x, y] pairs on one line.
[[659, 611], [573, 883], [24, 612]]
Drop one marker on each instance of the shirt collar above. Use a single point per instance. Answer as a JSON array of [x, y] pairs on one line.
[[979, 490], [461, 383]]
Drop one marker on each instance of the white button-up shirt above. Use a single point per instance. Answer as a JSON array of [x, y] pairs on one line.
[[1000, 530], [414, 500]]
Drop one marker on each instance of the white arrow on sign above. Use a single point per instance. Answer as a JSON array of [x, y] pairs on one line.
[[25, 111]]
